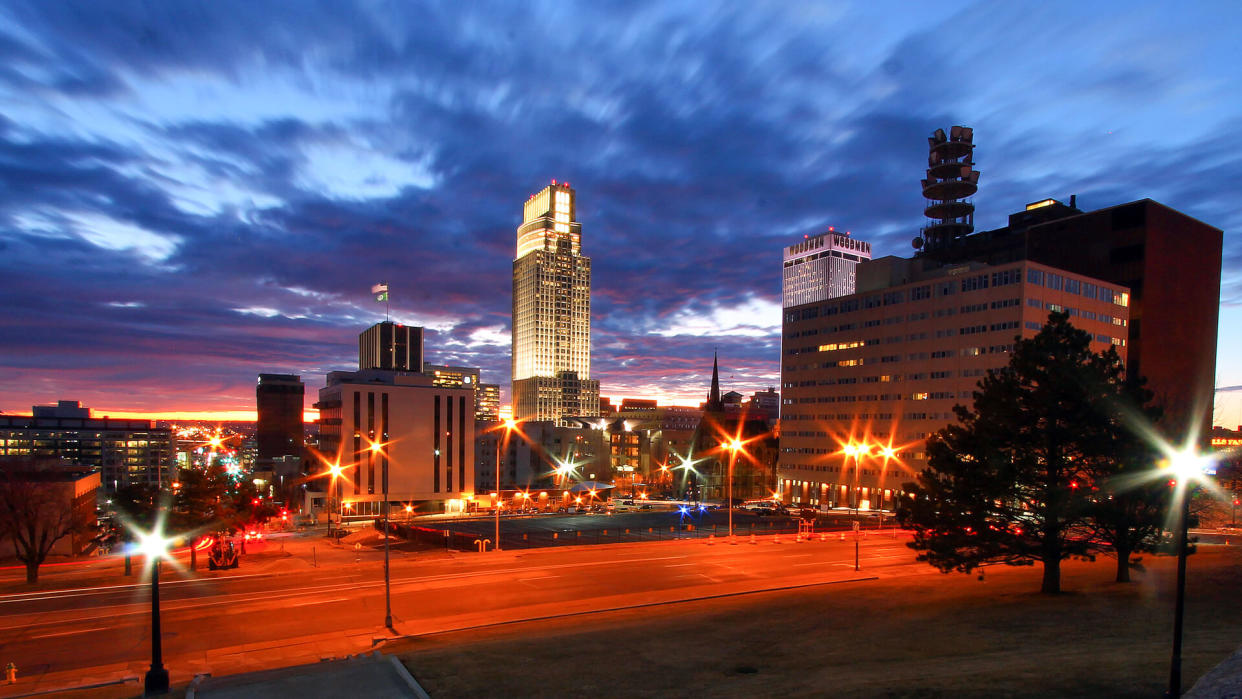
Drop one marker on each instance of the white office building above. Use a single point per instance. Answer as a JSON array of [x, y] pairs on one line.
[[821, 267]]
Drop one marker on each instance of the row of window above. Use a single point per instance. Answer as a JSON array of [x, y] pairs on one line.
[[1058, 282]]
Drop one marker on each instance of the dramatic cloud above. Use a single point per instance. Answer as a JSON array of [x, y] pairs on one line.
[[192, 193]]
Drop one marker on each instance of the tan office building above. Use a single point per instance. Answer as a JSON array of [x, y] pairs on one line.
[[866, 378]]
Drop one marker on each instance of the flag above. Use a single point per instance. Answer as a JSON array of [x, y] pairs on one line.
[[380, 291]]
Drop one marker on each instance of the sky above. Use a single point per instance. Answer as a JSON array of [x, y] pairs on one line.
[[193, 193]]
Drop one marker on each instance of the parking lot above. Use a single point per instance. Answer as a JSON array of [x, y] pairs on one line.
[[669, 522]]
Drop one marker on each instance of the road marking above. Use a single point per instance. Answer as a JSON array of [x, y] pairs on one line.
[[541, 577], [70, 633], [317, 601], [681, 565], [819, 563], [81, 591]]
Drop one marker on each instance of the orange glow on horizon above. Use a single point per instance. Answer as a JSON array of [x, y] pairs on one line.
[[186, 415]]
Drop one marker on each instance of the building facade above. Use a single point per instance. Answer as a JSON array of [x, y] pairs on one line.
[[486, 395], [1152, 250], [422, 433], [866, 378], [123, 451], [391, 346], [821, 267], [280, 399], [487, 402], [552, 311], [56, 494]]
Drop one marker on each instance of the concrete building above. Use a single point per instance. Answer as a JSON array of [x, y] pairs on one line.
[[423, 433], [486, 396], [56, 493], [866, 378], [123, 451], [487, 402], [552, 311], [1144, 246], [821, 267], [391, 346], [280, 399], [529, 456]]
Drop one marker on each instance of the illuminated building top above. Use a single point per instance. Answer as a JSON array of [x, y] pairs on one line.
[[549, 222]]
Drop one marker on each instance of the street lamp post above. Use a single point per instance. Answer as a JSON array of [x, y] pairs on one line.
[[733, 446], [1175, 666], [1187, 465], [155, 546], [497, 502], [375, 449], [334, 492]]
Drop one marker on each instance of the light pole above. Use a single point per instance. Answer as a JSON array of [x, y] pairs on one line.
[[155, 547], [334, 492], [733, 447], [497, 503], [1186, 465], [857, 451], [376, 450]]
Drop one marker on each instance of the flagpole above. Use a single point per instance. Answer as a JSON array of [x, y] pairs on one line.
[[387, 315]]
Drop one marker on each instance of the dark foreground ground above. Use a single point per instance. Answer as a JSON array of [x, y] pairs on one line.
[[918, 636]]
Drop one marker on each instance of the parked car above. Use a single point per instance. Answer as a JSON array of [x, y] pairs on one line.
[[645, 506]]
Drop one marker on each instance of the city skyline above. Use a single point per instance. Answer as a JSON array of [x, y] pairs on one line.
[[191, 200]]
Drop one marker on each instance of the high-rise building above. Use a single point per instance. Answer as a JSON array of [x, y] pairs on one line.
[[866, 378], [552, 311], [821, 267], [1170, 262], [391, 346], [278, 432], [124, 451]]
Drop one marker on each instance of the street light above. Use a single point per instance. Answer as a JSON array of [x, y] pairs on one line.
[[377, 450], [154, 546], [857, 451], [496, 501], [733, 446], [1187, 465], [334, 490]]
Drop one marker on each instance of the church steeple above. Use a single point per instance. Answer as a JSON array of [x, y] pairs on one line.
[[713, 398]]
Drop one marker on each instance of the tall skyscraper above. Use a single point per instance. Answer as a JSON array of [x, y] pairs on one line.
[[279, 430], [391, 346], [552, 311], [821, 267]]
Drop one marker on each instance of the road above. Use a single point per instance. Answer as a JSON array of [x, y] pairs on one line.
[[212, 623]]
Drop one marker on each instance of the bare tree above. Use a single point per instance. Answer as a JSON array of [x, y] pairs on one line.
[[38, 509]]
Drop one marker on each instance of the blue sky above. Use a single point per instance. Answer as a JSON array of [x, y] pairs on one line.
[[193, 193]]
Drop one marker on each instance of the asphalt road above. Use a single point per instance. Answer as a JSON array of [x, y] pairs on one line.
[[84, 628]]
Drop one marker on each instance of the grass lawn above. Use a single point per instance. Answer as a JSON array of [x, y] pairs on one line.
[[927, 635]]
